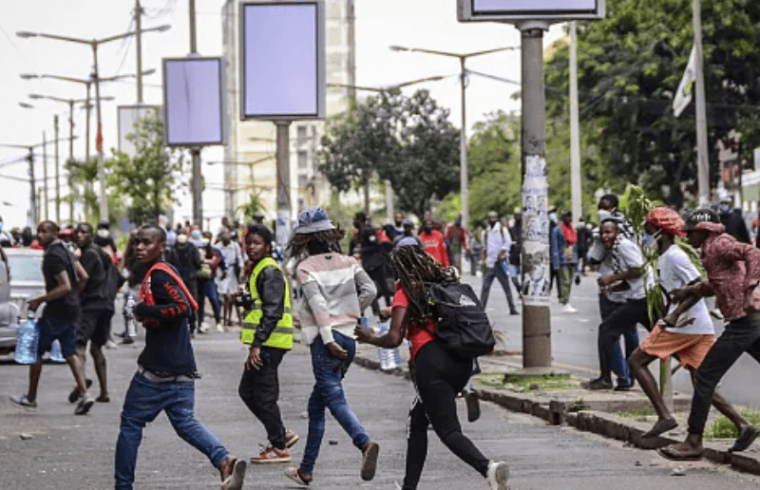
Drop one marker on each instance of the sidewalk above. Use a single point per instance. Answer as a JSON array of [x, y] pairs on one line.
[[560, 400]]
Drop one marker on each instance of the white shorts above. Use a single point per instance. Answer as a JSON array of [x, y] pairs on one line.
[[228, 285]]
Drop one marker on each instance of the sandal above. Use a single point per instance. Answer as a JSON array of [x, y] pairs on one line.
[[233, 474], [675, 454], [297, 476], [745, 439], [103, 399], [74, 395], [660, 427]]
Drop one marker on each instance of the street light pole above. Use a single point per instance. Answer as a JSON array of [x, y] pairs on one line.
[[102, 198], [138, 39], [57, 174], [536, 329], [464, 171], [703, 162], [197, 178], [575, 147], [283, 182]]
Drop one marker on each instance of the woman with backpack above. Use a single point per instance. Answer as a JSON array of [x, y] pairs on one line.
[[438, 375]]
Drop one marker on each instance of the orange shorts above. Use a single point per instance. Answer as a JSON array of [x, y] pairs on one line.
[[691, 349]]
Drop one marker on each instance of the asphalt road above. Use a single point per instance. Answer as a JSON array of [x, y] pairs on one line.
[[69, 452], [574, 338]]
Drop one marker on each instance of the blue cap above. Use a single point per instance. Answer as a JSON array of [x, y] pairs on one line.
[[313, 220]]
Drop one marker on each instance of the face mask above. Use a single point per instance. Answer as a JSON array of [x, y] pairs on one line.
[[457, 223], [724, 208], [103, 233], [553, 217], [603, 214], [428, 229], [182, 239], [1, 227], [650, 241]]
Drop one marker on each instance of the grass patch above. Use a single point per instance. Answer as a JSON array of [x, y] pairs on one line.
[[722, 428], [635, 414], [546, 382]]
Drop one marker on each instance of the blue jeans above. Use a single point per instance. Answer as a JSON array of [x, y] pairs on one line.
[[328, 393], [143, 403], [491, 273], [612, 358], [209, 290]]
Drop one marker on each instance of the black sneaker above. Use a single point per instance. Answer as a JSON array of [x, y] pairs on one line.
[[624, 386], [74, 396], [473, 405], [600, 383]]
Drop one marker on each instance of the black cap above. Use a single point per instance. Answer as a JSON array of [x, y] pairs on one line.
[[702, 215]]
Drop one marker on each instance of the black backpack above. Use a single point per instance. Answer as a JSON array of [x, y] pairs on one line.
[[114, 280], [462, 326]]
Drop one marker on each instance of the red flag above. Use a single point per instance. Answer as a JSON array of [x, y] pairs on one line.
[[99, 140]]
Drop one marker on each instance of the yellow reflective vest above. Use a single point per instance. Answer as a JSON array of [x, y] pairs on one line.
[[282, 336]]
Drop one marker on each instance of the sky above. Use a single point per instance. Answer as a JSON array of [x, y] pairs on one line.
[[379, 24]]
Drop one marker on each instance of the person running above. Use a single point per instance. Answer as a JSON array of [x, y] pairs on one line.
[[268, 330], [438, 376], [565, 258], [685, 331], [97, 308], [166, 374], [335, 291], [733, 273], [496, 244], [64, 279], [622, 282]]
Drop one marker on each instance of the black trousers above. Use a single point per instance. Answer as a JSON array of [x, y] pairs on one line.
[[439, 378], [621, 321], [260, 389], [379, 276], [740, 336]]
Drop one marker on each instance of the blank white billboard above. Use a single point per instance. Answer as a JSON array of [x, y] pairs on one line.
[[282, 60], [511, 10], [128, 116], [193, 102]]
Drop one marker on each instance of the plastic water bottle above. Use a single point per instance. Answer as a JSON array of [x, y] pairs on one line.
[[389, 358], [55, 352], [27, 341]]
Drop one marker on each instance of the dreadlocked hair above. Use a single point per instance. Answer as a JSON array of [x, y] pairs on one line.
[[416, 270], [328, 240]]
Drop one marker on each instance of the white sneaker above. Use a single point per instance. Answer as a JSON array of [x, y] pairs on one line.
[[110, 344], [569, 309], [203, 328], [497, 475], [220, 327]]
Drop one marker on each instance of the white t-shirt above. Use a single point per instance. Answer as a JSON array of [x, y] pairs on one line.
[[627, 255], [677, 271]]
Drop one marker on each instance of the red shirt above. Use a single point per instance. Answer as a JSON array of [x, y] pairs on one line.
[[733, 268], [418, 335], [435, 246]]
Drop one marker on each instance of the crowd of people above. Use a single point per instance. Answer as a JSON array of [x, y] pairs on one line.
[[311, 285]]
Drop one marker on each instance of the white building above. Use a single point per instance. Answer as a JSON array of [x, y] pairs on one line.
[[250, 151]]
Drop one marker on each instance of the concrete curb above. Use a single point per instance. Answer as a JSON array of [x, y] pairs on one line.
[[560, 412]]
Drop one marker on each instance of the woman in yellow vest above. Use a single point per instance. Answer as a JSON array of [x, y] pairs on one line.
[[268, 329]]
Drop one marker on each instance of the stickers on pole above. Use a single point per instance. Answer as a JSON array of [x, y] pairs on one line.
[[516, 10], [536, 258], [282, 53], [193, 102]]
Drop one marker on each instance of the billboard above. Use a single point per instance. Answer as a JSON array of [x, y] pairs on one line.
[[193, 102], [282, 56], [515, 10], [128, 116]]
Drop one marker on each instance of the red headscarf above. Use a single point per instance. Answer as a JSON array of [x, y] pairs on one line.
[[667, 220]]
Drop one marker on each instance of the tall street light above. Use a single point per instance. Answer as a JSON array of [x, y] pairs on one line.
[[389, 198], [94, 43], [88, 82], [464, 172]]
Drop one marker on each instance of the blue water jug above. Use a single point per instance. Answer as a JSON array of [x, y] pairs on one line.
[[27, 341], [55, 352]]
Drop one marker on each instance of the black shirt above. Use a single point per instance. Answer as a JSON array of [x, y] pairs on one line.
[[167, 345], [58, 259], [95, 294]]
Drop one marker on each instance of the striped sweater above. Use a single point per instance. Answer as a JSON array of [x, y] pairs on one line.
[[336, 291]]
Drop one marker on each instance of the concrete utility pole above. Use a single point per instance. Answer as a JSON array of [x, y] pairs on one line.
[[197, 181], [703, 160], [71, 159], [283, 182], [57, 174], [575, 138], [537, 351], [138, 45], [44, 205], [33, 216]]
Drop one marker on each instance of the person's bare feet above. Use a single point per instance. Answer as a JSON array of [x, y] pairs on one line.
[[662, 426], [684, 451]]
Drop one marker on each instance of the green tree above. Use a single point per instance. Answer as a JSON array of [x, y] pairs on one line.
[[149, 180], [406, 140], [253, 205], [629, 67]]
